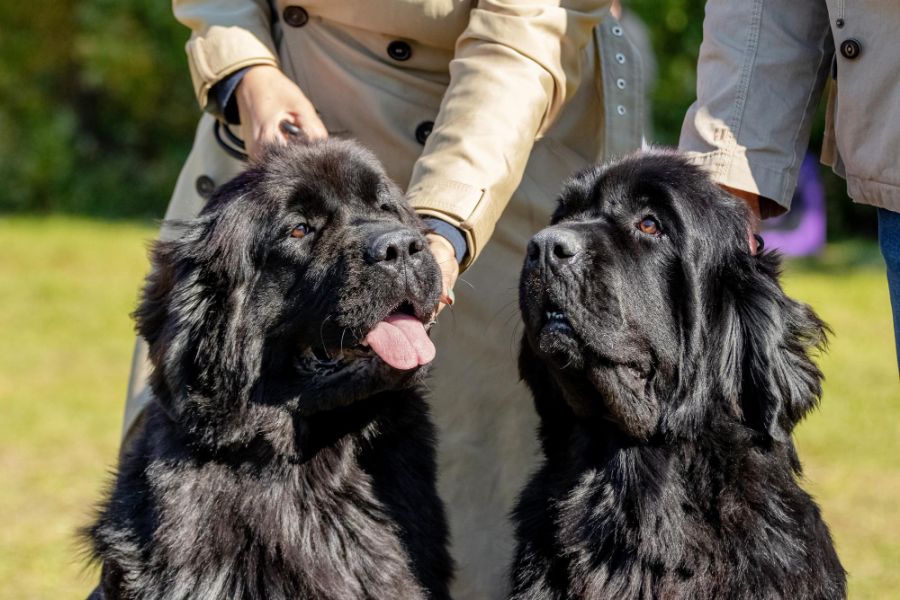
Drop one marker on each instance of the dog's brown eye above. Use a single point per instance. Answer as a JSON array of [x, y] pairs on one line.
[[300, 230], [650, 226]]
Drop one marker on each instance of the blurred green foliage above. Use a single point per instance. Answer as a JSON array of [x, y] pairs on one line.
[[97, 114]]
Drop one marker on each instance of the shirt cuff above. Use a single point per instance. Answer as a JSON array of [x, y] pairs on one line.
[[451, 234], [221, 103]]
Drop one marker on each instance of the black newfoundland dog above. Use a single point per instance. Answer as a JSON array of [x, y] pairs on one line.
[[669, 369], [289, 453]]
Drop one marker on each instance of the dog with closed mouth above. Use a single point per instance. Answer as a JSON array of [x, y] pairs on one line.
[[289, 452], [669, 369]]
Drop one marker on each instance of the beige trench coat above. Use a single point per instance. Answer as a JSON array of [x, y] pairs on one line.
[[521, 94], [763, 65]]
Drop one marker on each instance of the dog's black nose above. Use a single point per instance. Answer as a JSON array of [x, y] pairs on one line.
[[555, 245], [394, 245]]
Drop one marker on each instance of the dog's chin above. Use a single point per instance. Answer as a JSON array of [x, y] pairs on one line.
[[616, 390], [353, 375], [358, 360], [555, 341], [355, 362], [625, 396]]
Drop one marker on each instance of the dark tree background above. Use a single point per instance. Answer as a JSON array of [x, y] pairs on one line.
[[97, 114], [96, 109]]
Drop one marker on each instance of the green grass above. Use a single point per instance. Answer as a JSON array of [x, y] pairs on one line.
[[67, 286]]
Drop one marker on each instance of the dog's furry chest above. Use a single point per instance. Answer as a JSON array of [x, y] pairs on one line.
[[310, 530], [629, 531]]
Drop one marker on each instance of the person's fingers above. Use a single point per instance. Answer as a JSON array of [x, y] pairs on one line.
[[752, 201], [307, 119], [445, 255], [271, 134], [259, 137], [751, 240], [266, 97]]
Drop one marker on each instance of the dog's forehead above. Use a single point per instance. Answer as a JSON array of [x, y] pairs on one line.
[[657, 181], [328, 179]]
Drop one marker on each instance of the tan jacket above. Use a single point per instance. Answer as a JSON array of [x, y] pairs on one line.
[[485, 82], [762, 68]]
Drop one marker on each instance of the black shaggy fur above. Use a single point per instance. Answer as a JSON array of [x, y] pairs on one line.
[[281, 459], [669, 369]]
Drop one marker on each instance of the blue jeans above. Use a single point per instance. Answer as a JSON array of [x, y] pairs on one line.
[[889, 238]]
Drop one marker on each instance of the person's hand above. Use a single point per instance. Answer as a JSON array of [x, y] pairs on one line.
[[266, 97], [445, 256], [752, 201]]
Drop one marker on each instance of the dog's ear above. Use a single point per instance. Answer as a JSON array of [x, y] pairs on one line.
[[766, 355], [150, 315], [747, 348], [205, 344], [227, 239], [211, 255]]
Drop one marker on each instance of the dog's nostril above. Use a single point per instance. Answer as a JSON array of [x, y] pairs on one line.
[[416, 246], [563, 250], [390, 253]]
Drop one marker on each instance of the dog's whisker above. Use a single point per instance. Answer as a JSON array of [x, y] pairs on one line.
[[341, 345], [322, 336], [462, 280]]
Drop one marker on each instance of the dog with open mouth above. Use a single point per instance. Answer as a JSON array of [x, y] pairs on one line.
[[289, 451], [669, 369]]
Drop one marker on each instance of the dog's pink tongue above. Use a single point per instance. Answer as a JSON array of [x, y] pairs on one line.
[[401, 341]]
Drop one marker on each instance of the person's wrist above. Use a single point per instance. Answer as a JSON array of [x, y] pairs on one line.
[[750, 198], [252, 77], [436, 239], [450, 233]]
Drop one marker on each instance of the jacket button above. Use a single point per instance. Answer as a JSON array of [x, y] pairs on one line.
[[850, 49], [399, 50], [295, 16], [423, 131], [205, 187]]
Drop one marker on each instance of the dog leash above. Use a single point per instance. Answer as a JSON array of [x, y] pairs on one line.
[[235, 146]]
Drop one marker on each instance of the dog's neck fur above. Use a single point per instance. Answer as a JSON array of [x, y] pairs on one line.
[[325, 524], [283, 493], [650, 516]]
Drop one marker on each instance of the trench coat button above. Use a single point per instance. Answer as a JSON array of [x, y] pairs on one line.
[[617, 31], [620, 83], [620, 58], [423, 131], [295, 16], [399, 50], [850, 49], [621, 110], [205, 187]]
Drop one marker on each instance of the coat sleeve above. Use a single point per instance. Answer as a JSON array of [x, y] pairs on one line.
[[226, 35], [760, 74], [514, 66]]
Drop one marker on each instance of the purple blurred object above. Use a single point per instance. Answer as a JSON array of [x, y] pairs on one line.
[[800, 232]]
